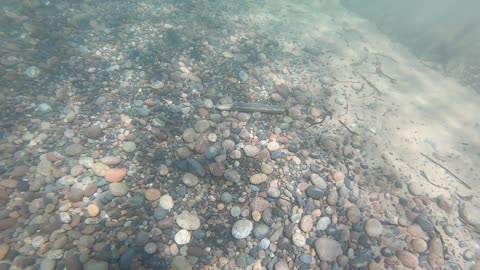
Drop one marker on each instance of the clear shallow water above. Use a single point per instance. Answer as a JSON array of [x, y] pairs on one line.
[[115, 153]]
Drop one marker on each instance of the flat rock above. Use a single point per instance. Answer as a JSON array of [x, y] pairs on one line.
[[327, 249], [118, 189], [258, 178], [471, 214], [115, 175], [188, 221], [242, 228], [73, 149], [407, 259], [373, 227]]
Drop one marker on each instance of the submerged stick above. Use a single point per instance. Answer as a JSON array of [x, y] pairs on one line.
[[447, 170], [251, 107], [351, 131]]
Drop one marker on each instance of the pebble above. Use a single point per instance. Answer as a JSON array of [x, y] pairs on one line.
[[353, 214], [281, 265], [94, 132], [110, 160], [115, 175], [4, 248], [261, 231], [338, 177], [322, 223], [471, 214], [166, 202], [86, 162], [273, 192], [93, 210], [99, 169], [266, 168], [202, 126], [48, 264], [242, 228], [306, 223], [258, 178], [235, 211], [298, 239], [273, 146], [251, 150], [118, 189], [407, 259], [314, 192], [129, 147], [373, 227], [73, 150], [152, 194], [190, 180], [415, 188], [419, 245], [327, 249], [150, 248], [188, 221]]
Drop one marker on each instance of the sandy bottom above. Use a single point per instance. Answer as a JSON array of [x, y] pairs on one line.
[[401, 106]]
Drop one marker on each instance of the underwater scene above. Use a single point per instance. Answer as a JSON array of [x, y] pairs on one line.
[[239, 134]]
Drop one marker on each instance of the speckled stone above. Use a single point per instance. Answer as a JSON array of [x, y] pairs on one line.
[[188, 221], [327, 249], [242, 228]]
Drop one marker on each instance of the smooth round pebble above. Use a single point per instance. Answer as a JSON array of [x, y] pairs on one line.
[[188, 221], [373, 227], [166, 202], [93, 210], [182, 237], [118, 189], [115, 175], [190, 180], [242, 228], [419, 245], [258, 178], [129, 147], [407, 259]]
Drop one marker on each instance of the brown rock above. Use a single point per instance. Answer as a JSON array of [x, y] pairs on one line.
[[75, 195], [216, 169], [94, 132], [93, 210], [165, 223], [152, 194], [115, 175], [306, 223], [7, 223], [8, 183], [4, 248], [201, 144], [110, 160], [258, 178], [259, 204], [353, 214], [19, 171], [338, 176], [407, 259]]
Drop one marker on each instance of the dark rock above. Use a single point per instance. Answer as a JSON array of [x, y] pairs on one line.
[[195, 167], [94, 132], [315, 192], [126, 259], [361, 259], [424, 223], [157, 263], [261, 231], [136, 201]]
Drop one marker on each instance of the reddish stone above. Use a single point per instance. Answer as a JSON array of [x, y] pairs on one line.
[[115, 175]]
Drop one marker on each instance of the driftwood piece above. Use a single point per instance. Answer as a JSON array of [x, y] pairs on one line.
[[251, 107]]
